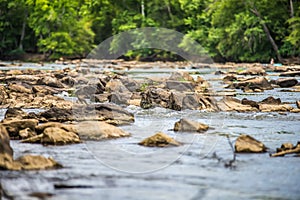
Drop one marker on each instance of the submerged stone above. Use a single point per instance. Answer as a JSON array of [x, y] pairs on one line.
[[159, 140], [248, 144], [190, 126]]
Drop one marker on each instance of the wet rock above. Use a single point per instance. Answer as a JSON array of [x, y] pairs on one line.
[[43, 89], [100, 98], [115, 85], [181, 76], [16, 113], [253, 83], [233, 104], [275, 108], [290, 74], [181, 86], [287, 148], [19, 88], [253, 71], [95, 130], [26, 133], [248, 144], [155, 97], [286, 82], [251, 103], [182, 101], [109, 113], [54, 136], [36, 162], [298, 104], [130, 84], [50, 81], [56, 115], [67, 127], [271, 100], [120, 98], [190, 126], [159, 140], [14, 126], [3, 95], [27, 162], [230, 78], [4, 142]]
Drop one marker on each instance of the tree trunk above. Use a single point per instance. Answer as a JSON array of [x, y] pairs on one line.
[[292, 8], [23, 32], [267, 32]]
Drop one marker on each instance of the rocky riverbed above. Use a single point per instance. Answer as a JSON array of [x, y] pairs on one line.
[[125, 130]]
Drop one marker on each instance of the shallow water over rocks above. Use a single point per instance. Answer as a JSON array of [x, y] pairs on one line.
[[121, 169]]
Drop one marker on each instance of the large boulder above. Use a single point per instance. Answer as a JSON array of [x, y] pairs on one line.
[[95, 130], [286, 82], [159, 140], [248, 144], [190, 126]]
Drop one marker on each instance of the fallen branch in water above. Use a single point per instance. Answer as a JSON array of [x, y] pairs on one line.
[[296, 149], [230, 162]]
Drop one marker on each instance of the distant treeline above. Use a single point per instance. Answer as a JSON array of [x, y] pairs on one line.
[[229, 30]]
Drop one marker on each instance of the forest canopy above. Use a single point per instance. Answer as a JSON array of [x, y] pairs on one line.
[[229, 30]]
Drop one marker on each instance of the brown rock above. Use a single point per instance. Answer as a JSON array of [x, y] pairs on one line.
[[50, 81], [251, 103], [298, 104], [54, 136], [16, 113], [232, 104], [181, 86], [275, 108], [253, 83], [286, 82], [159, 140], [181, 76], [67, 127], [19, 88], [271, 100], [253, 71], [247, 144], [291, 74], [95, 130], [287, 148], [4, 142], [26, 133], [32, 162], [190, 126], [14, 126]]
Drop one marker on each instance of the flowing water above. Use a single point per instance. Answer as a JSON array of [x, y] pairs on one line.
[[121, 169]]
